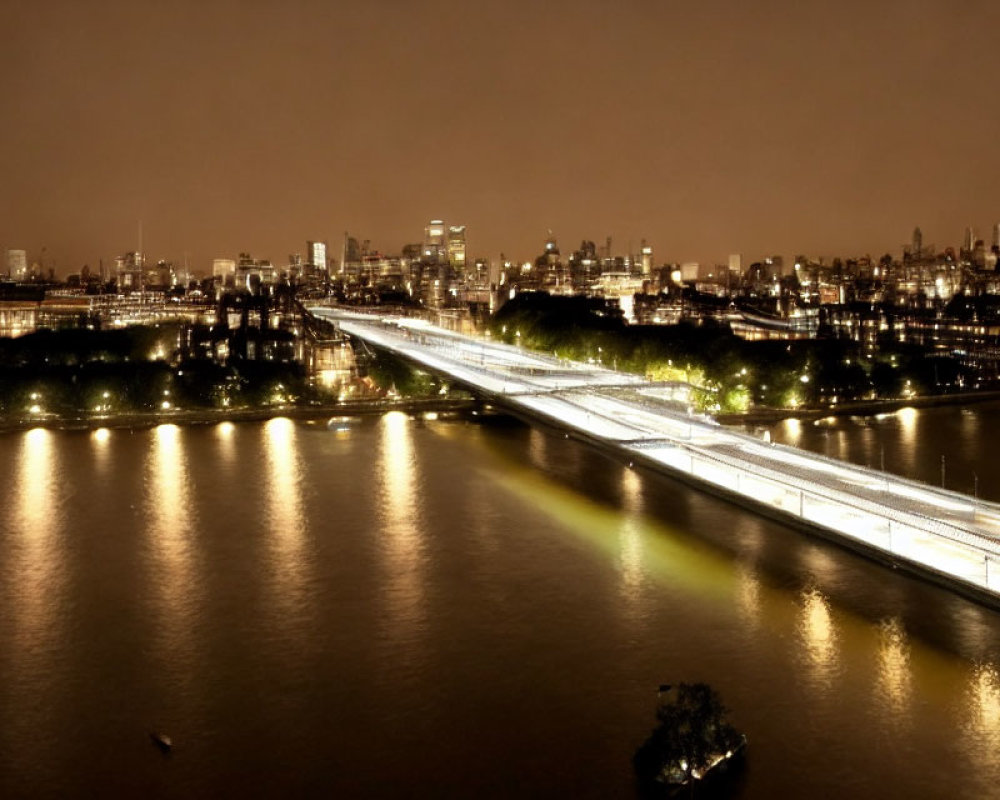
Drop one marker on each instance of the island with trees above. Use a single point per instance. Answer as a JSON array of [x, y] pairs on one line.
[[691, 742]]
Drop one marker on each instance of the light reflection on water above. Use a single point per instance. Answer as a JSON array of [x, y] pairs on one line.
[[169, 529], [894, 674], [748, 594], [984, 707], [37, 557], [285, 517], [631, 536], [225, 434], [639, 578], [401, 533], [819, 638]]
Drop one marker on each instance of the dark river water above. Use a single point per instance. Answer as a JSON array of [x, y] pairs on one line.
[[471, 610]]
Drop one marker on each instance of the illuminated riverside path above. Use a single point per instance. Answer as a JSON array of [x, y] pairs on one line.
[[941, 534]]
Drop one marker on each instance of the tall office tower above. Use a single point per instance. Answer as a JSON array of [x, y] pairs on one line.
[[316, 255], [646, 259], [17, 265], [434, 242], [736, 263], [918, 243], [970, 240], [996, 235], [456, 247]]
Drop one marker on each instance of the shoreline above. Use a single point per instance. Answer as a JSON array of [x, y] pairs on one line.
[[149, 419], [862, 408]]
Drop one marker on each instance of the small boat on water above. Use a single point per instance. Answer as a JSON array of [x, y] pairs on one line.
[[341, 424]]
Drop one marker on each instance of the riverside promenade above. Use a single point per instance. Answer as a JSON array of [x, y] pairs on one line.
[[948, 537]]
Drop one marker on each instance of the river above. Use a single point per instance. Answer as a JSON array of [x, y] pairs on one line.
[[449, 608]]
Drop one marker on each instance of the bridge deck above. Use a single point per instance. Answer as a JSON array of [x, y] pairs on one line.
[[943, 532]]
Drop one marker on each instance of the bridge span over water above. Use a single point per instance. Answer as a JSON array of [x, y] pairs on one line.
[[943, 535]]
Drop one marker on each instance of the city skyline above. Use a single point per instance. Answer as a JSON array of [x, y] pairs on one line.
[[709, 130]]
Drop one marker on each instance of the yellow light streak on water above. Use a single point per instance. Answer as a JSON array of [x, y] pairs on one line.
[[286, 521], [402, 545], [37, 556], [834, 647], [170, 530], [895, 677]]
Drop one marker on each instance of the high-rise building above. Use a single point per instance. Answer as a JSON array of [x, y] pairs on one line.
[[434, 242], [646, 259], [970, 240], [17, 264], [996, 235], [456, 247], [316, 255], [918, 243]]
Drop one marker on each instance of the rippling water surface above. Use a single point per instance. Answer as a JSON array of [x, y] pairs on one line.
[[446, 609]]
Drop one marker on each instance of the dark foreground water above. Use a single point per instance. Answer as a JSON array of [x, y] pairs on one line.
[[442, 609]]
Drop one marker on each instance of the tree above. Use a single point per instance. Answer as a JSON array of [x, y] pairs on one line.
[[692, 737]]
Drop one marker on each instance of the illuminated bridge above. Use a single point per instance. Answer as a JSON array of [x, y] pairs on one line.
[[947, 536]]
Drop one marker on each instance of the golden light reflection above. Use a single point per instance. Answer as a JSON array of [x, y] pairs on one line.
[[907, 427], [168, 499], [225, 435], [748, 593], [36, 555], [401, 531], [894, 670], [822, 564], [818, 636], [630, 538], [101, 438], [791, 431], [971, 429], [537, 448], [286, 519], [841, 445], [984, 708]]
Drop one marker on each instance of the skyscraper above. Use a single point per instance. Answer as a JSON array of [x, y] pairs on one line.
[[17, 265], [456, 247], [970, 240], [434, 241], [316, 255], [918, 243]]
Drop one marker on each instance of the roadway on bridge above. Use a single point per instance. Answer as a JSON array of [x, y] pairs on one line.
[[619, 410]]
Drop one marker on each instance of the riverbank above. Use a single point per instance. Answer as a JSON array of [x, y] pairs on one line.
[[209, 416], [864, 408]]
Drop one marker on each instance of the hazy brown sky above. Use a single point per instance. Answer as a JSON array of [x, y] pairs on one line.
[[706, 127]]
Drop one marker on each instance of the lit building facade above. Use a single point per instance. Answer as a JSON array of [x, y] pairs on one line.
[[316, 255], [17, 265], [456, 248]]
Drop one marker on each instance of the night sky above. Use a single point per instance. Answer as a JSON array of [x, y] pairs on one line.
[[707, 128]]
